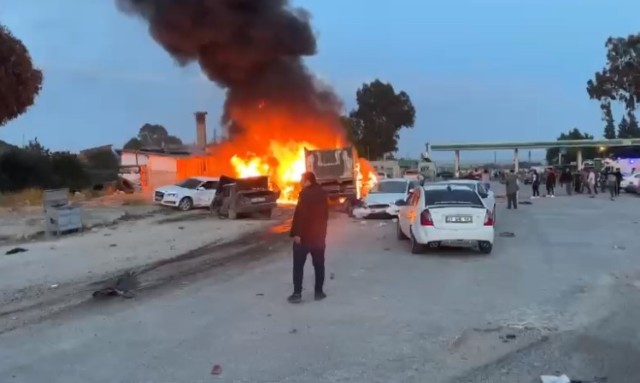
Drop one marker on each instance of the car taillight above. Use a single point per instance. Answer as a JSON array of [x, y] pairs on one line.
[[426, 219], [488, 219]]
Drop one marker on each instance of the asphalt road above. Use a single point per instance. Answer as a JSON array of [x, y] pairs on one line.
[[560, 296]]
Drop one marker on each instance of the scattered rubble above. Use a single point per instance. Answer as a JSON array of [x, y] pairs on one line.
[[507, 234], [216, 369], [16, 250]]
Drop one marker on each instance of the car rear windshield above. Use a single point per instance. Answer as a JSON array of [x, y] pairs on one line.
[[397, 187], [455, 197]]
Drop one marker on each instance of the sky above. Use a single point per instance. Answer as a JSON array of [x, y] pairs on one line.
[[476, 70]]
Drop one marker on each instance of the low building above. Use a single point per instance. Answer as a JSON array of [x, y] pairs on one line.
[[161, 167]]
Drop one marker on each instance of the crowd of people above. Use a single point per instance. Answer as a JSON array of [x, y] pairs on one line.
[[587, 180]]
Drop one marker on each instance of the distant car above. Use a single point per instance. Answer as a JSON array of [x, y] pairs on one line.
[[190, 193], [488, 197], [412, 175], [446, 175], [445, 214], [631, 183], [381, 199]]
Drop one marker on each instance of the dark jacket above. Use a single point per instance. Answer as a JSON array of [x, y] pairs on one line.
[[551, 178], [311, 216]]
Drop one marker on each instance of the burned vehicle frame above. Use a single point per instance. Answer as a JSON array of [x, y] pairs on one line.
[[238, 197]]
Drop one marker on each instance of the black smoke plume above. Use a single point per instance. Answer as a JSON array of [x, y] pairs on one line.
[[252, 48]]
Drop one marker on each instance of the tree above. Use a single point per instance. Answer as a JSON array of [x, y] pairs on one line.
[[623, 128], [634, 129], [152, 136], [620, 79], [103, 160], [571, 153], [381, 114], [133, 144], [610, 123], [20, 81]]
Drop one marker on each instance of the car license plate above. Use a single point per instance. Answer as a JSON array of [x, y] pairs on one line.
[[458, 219], [258, 199]]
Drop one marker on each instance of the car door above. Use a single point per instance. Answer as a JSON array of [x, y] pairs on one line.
[[403, 213], [490, 200], [206, 193], [410, 212]]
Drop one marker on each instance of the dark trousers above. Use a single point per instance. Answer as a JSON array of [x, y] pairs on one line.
[[536, 189], [512, 200], [550, 189], [300, 253], [617, 188]]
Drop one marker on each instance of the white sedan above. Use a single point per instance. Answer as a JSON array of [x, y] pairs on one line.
[[487, 195], [187, 194], [445, 214], [631, 183], [381, 199]]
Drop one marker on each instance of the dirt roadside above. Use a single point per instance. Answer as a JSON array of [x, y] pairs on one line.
[[54, 275]]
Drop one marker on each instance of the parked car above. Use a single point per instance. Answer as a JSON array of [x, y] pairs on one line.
[[187, 194], [237, 197], [488, 196], [631, 183], [382, 197], [445, 214]]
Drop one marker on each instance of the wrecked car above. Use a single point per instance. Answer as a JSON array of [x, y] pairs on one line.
[[238, 197]]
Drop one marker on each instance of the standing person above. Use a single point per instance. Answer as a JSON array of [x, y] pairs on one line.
[[618, 175], [535, 185], [551, 183], [612, 181], [486, 179], [512, 189], [591, 182], [309, 232], [566, 179]]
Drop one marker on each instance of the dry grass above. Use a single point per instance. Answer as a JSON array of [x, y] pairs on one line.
[[33, 197], [28, 197]]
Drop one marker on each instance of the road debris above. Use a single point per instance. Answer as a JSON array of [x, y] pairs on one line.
[[260, 294], [54, 286], [525, 202], [507, 234], [16, 250], [332, 276], [616, 247], [216, 370], [293, 331]]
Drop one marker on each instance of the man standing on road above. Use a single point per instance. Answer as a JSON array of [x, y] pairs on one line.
[[612, 183], [619, 177], [591, 182], [512, 189], [567, 180], [486, 179], [551, 182], [309, 232]]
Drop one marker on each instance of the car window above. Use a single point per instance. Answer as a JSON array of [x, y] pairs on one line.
[[481, 188], [210, 185], [456, 197], [395, 187], [189, 183]]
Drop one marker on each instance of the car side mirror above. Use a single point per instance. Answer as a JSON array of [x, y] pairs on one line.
[[401, 202], [200, 188]]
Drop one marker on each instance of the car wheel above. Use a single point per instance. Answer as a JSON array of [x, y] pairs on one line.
[[416, 248], [399, 234], [485, 247], [185, 204]]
